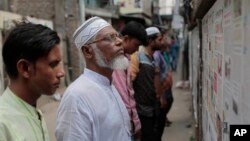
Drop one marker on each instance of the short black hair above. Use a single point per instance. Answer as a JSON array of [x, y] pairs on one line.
[[153, 36], [135, 30], [27, 41]]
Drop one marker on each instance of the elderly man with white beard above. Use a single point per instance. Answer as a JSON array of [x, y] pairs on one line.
[[91, 108]]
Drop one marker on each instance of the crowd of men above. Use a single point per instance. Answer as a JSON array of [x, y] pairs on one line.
[[123, 94]]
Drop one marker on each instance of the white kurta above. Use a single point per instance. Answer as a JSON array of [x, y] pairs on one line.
[[92, 110]]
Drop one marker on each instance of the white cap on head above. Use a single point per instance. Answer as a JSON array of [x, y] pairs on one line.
[[152, 30], [88, 30]]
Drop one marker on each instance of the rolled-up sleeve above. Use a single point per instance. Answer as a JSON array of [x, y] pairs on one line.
[[134, 66]]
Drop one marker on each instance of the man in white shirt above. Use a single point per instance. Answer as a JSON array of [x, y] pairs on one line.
[[91, 108]]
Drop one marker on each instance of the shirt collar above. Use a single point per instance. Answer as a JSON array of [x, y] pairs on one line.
[[128, 56], [18, 102], [98, 78]]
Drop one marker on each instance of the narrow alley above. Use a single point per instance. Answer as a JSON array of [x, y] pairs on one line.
[[205, 41], [182, 127]]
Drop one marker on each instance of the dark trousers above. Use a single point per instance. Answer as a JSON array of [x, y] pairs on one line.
[[161, 117], [160, 124], [147, 128], [170, 100]]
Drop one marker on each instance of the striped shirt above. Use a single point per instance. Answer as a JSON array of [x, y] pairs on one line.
[[143, 72]]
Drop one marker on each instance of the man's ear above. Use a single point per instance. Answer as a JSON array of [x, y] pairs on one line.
[[24, 68], [150, 41], [125, 37], [87, 51]]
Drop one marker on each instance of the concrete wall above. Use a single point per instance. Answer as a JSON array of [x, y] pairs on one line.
[[224, 85], [65, 15]]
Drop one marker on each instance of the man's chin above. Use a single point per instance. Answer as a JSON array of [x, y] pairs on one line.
[[120, 63], [49, 93]]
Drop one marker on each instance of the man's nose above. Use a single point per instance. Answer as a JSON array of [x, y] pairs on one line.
[[118, 41], [61, 72]]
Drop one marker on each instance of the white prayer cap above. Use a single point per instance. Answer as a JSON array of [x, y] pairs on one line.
[[88, 30], [152, 30]]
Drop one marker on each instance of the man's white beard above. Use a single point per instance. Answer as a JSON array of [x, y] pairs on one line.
[[119, 62]]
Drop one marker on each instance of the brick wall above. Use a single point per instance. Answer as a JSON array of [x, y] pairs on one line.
[[45, 9]]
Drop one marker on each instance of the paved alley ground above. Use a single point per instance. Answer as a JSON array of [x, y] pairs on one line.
[[182, 128]]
